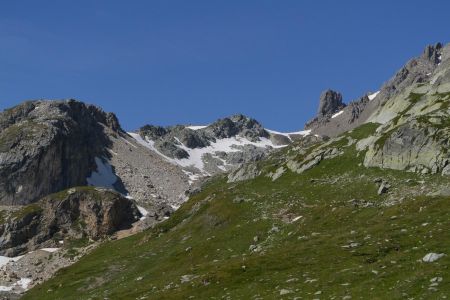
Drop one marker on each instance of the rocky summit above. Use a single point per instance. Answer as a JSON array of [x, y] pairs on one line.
[[48, 146], [330, 103], [354, 206]]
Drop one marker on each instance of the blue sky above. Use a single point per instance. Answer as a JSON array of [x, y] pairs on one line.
[[175, 62]]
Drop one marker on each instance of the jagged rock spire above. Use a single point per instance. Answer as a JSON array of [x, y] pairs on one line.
[[330, 102]]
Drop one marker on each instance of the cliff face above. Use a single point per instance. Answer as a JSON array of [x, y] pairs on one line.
[[47, 146], [70, 214]]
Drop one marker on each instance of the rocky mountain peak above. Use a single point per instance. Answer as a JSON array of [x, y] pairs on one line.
[[237, 125], [51, 111], [330, 102], [433, 52], [46, 146]]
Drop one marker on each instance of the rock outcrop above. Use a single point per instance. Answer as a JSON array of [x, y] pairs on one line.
[[47, 146], [82, 212], [330, 102], [415, 146]]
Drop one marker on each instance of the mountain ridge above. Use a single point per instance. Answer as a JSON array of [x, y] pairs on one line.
[[228, 199]]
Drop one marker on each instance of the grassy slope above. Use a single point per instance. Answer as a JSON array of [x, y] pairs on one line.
[[209, 237]]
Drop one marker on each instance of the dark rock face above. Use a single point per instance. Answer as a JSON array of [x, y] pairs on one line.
[[356, 108], [47, 146], [74, 213], [330, 103]]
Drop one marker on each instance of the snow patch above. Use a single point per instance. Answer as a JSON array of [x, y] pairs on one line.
[[104, 176], [288, 134], [192, 177], [6, 288], [196, 127], [24, 282], [337, 114], [143, 212], [51, 250], [296, 219], [372, 96], [5, 259]]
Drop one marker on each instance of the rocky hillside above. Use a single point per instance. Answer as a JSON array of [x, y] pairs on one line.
[[202, 151], [47, 146], [358, 200], [38, 239], [314, 222], [355, 208], [337, 118]]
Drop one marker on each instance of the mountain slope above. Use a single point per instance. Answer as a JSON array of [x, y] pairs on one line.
[[361, 214], [424, 69], [202, 151], [325, 232]]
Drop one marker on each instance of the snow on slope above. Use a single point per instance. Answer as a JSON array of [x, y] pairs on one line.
[[372, 96], [104, 176], [288, 134], [196, 127], [221, 145], [149, 144], [337, 114]]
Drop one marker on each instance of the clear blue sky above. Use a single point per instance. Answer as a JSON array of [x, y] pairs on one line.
[[169, 62]]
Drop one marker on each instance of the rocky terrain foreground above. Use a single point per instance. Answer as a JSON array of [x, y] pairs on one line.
[[356, 206]]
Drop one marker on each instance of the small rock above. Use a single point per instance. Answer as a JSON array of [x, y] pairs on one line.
[[285, 292], [186, 278], [378, 180], [436, 279], [384, 187], [432, 257]]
